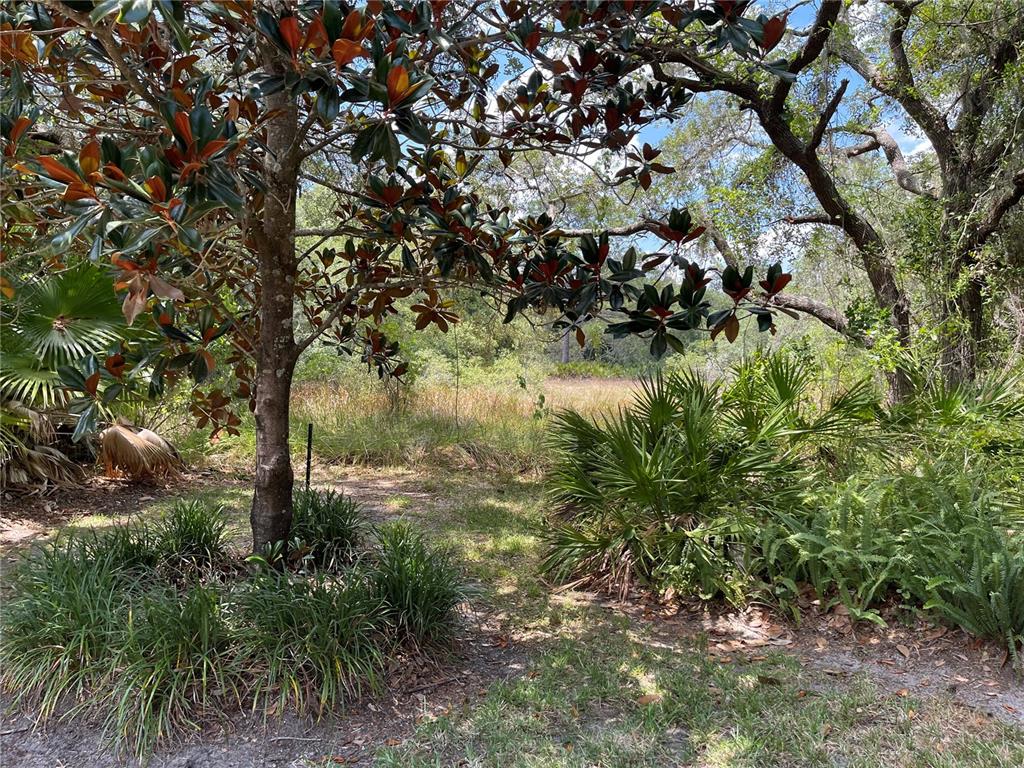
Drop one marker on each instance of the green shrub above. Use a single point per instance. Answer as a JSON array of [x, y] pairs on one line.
[[980, 418], [192, 533], [312, 641], [987, 598], [670, 492], [941, 534], [419, 585], [593, 369], [327, 526]]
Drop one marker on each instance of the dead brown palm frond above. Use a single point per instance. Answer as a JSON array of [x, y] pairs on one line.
[[37, 468], [27, 463], [137, 455]]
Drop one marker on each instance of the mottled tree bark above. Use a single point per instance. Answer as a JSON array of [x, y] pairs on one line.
[[271, 513]]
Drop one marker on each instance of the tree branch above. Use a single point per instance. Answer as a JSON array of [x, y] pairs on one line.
[[882, 139], [811, 50], [829, 316], [826, 116], [112, 49], [721, 244], [1010, 197], [977, 101], [320, 330], [900, 88], [814, 218], [630, 229]]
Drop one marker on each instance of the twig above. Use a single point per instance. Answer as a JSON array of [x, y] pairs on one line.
[[296, 738], [15, 730]]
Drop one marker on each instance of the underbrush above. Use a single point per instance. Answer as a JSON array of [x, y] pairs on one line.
[[770, 484], [153, 630]]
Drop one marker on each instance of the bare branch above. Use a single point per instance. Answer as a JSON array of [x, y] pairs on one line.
[[826, 116], [815, 218], [900, 87], [830, 316], [721, 244], [630, 229], [882, 139]]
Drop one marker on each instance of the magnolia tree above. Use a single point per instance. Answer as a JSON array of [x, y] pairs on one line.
[[170, 141]]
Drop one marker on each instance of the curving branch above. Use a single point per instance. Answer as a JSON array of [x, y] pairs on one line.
[[827, 315], [882, 139], [1002, 205], [820, 311], [900, 87]]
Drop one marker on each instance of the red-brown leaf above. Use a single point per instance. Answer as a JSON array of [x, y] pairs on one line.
[[772, 33], [115, 365], [289, 28], [56, 171]]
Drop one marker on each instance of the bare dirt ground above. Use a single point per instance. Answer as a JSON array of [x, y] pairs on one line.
[[920, 659], [914, 658]]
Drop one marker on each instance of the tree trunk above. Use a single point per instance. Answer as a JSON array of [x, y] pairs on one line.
[[565, 348], [274, 235], [271, 513], [964, 330], [880, 273]]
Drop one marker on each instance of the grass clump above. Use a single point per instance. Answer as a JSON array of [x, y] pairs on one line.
[[137, 627], [174, 666], [317, 641], [62, 623], [418, 585], [128, 548], [193, 534], [327, 527]]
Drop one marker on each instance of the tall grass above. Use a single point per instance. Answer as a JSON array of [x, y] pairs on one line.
[[192, 534], [492, 427], [327, 527], [62, 623], [175, 666]]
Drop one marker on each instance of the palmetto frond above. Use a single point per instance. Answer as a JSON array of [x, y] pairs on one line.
[[63, 317], [52, 321]]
